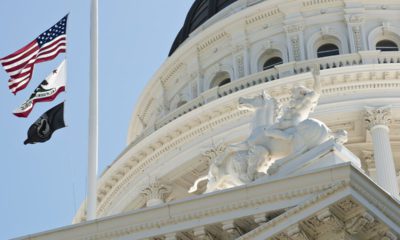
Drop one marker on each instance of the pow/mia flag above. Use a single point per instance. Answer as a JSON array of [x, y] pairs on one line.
[[46, 125]]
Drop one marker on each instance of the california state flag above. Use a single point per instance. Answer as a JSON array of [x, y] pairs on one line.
[[47, 91]]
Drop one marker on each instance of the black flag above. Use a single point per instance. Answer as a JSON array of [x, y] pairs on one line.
[[46, 125]]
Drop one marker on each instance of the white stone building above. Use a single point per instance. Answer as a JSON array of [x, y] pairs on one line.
[[229, 49]]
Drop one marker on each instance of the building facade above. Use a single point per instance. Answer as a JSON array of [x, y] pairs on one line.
[[232, 49]]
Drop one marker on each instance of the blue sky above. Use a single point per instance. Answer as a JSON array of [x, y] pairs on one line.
[[44, 184]]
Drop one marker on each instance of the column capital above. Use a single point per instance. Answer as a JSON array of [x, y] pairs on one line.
[[375, 116], [155, 193]]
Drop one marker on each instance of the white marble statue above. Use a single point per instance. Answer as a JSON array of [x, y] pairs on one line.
[[273, 140]]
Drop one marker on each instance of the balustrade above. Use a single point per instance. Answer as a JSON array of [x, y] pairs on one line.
[[292, 68]]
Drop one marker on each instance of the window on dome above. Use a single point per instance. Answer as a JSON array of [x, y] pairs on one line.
[[269, 59], [387, 45], [328, 49], [220, 79], [272, 62]]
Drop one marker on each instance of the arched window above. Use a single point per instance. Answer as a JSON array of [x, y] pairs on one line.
[[220, 79], [272, 62], [386, 45], [327, 49], [269, 59]]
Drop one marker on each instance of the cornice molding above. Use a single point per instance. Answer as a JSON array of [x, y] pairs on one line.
[[351, 198], [211, 40], [263, 15], [313, 3], [327, 190]]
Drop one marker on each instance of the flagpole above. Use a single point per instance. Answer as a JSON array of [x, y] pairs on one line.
[[93, 115]]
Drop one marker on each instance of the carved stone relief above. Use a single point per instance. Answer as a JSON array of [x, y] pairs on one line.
[[356, 224]]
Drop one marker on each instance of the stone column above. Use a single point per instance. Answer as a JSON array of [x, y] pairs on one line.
[[155, 193], [378, 120]]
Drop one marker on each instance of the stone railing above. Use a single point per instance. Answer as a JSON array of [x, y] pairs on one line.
[[328, 62], [280, 71], [185, 108], [389, 57], [251, 80]]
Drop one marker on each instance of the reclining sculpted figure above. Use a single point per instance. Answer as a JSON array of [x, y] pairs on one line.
[[273, 140]]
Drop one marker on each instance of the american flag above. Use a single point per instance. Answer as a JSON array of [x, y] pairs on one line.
[[19, 65]]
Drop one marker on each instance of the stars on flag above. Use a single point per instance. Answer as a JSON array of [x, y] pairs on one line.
[[58, 29], [19, 65]]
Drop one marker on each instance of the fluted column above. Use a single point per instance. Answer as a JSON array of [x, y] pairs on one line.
[[378, 120]]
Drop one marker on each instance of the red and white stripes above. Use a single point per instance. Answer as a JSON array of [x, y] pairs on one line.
[[19, 65]]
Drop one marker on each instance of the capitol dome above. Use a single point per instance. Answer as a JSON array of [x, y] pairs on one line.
[[200, 12], [235, 49]]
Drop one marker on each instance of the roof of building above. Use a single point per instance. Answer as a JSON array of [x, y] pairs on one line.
[[199, 12]]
